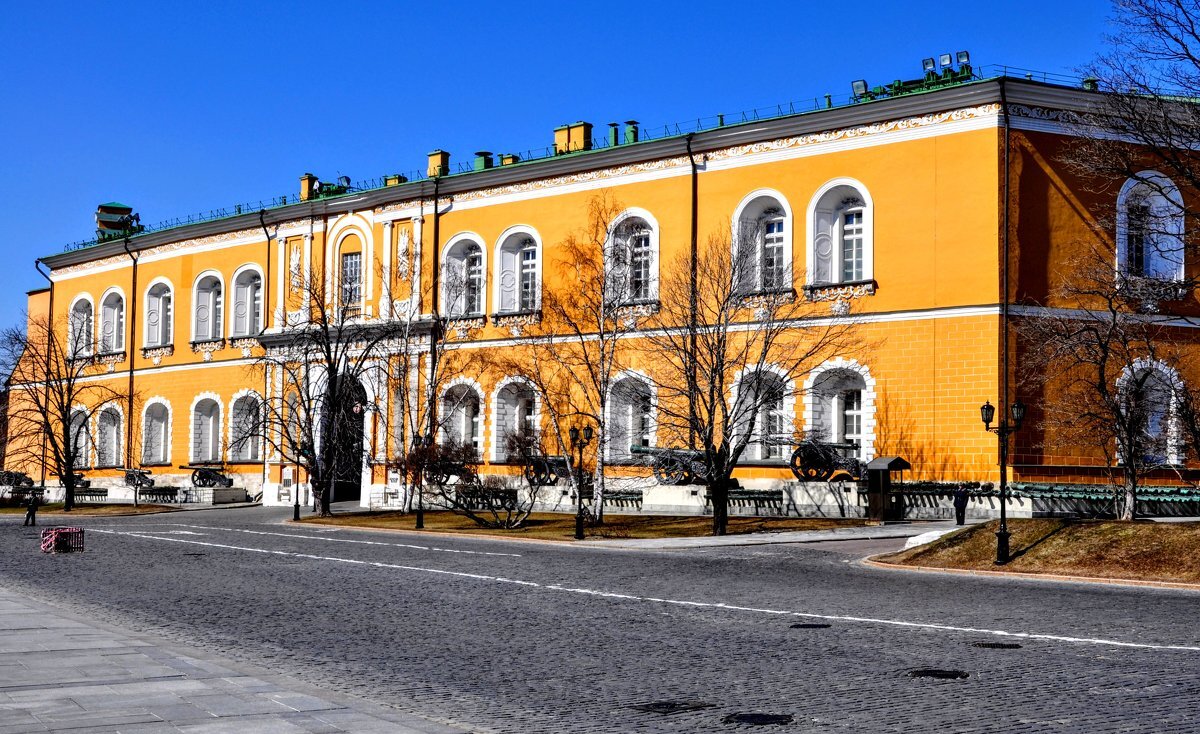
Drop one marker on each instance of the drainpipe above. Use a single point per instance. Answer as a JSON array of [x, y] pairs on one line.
[[49, 335], [262, 222], [1005, 247], [129, 344], [436, 273], [692, 296]]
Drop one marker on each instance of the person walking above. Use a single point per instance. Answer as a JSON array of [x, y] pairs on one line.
[[32, 505], [960, 505]]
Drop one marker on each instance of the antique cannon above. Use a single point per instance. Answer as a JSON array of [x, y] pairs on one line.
[[815, 461], [544, 471], [440, 471], [15, 479], [674, 466], [209, 475], [138, 478]]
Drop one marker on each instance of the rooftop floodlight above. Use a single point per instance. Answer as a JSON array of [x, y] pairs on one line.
[[964, 58], [928, 64], [945, 60], [344, 181], [859, 87]]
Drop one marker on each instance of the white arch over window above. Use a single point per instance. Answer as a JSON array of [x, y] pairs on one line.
[[463, 415], [632, 418], [632, 257], [206, 428], [245, 426], [839, 405], [109, 436], [81, 330], [464, 275], [1152, 389], [81, 438], [247, 313], [516, 407], [160, 317], [156, 432], [762, 242], [208, 306], [764, 404], [839, 245], [112, 321], [1150, 227], [518, 284]]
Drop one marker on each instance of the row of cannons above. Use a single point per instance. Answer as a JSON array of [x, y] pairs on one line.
[[140, 480], [811, 461]]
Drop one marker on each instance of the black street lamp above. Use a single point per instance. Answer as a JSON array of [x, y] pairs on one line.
[[421, 445], [987, 412], [579, 442]]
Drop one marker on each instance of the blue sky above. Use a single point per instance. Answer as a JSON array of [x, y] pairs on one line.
[[179, 108]]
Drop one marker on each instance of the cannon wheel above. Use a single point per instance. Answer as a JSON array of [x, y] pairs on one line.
[[670, 472], [131, 479], [437, 475], [809, 464], [200, 478], [537, 473]]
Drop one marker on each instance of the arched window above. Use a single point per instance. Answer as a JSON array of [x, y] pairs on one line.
[[762, 245], [82, 334], [1150, 228], [838, 414], [246, 438], [630, 418], [108, 438], [80, 440], [206, 431], [159, 326], [518, 286], [516, 416], [762, 408], [247, 303], [632, 275], [463, 281], [208, 307], [112, 323], [156, 434], [461, 406], [1149, 400], [840, 243]]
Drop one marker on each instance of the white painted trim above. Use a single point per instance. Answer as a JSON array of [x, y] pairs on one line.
[[494, 453], [789, 400], [1158, 184], [869, 396], [454, 241], [789, 243], [192, 424], [227, 429], [218, 333], [475, 387], [868, 230], [635, 212], [231, 300], [514, 231], [156, 400], [124, 317], [145, 315], [622, 376]]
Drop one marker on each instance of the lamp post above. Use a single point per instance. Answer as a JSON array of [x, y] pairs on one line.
[[421, 446], [987, 412], [298, 452], [579, 442]]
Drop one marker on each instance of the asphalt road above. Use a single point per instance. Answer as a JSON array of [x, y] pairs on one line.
[[499, 636]]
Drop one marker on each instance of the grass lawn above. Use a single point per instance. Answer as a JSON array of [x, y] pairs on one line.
[[558, 526], [1141, 550], [85, 509]]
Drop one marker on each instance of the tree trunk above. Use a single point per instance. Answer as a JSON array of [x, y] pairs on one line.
[[1129, 499], [720, 502], [598, 488], [68, 485]]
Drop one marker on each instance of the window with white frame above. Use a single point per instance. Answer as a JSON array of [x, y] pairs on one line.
[[632, 267], [81, 336], [515, 417], [762, 409], [630, 419], [156, 434], [247, 303], [840, 250], [206, 431], [108, 438], [246, 437], [517, 266], [838, 412], [461, 407], [80, 439], [112, 323], [158, 316], [761, 250], [1150, 405], [1150, 226], [351, 280], [208, 309], [463, 280]]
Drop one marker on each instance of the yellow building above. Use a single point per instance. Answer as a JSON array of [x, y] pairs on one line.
[[892, 209]]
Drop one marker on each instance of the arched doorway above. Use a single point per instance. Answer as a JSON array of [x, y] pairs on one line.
[[348, 433]]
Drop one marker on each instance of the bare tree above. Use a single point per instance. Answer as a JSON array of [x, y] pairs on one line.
[[726, 356], [57, 391], [451, 477]]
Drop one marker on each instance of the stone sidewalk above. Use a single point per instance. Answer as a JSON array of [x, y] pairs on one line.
[[62, 673]]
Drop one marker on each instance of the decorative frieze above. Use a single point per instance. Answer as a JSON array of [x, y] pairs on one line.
[[515, 322], [207, 347], [156, 354], [111, 359], [246, 344], [461, 327]]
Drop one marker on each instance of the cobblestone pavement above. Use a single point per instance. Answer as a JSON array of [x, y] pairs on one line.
[[500, 636]]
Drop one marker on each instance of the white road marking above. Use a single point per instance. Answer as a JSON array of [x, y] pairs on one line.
[[344, 540], [678, 602]]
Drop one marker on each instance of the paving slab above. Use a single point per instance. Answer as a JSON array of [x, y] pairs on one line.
[[60, 672]]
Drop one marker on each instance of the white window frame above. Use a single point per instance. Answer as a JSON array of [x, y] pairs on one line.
[[512, 268], [454, 262], [165, 429], [1156, 191], [166, 316], [215, 304], [88, 330], [469, 429], [824, 224], [623, 421], [213, 430], [112, 340], [818, 400], [250, 448], [752, 212], [247, 296], [532, 416], [621, 225], [106, 443]]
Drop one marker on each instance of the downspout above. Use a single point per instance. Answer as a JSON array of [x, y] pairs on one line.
[[129, 344], [692, 298], [49, 335], [1004, 306], [262, 222], [435, 299]]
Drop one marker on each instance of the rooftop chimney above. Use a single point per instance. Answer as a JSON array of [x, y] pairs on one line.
[[439, 163], [573, 138], [308, 187], [483, 160], [631, 131]]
